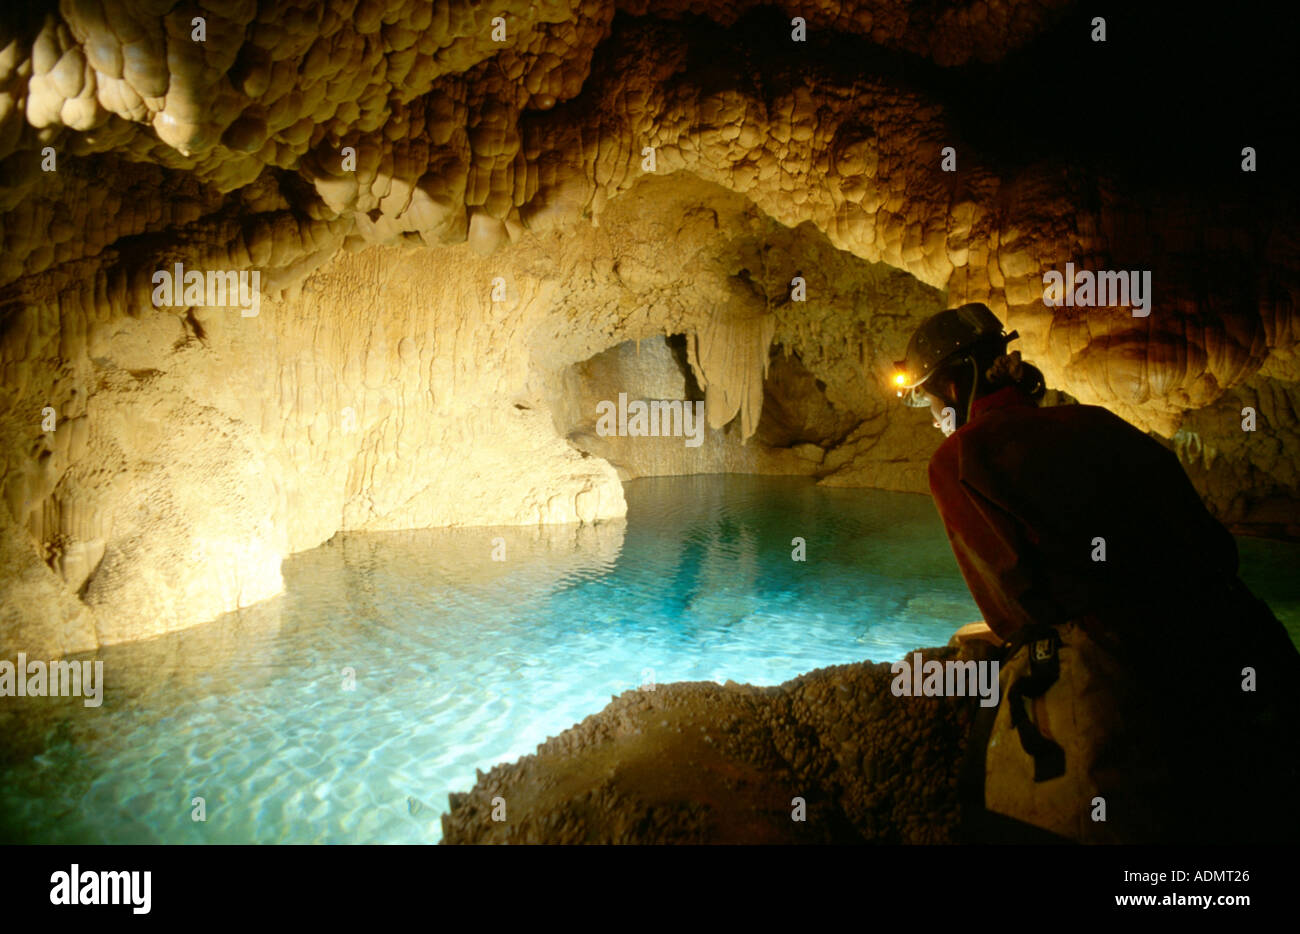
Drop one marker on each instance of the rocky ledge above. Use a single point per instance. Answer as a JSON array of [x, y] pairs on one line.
[[699, 762]]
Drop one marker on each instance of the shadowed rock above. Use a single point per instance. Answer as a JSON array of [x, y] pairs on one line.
[[702, 763]]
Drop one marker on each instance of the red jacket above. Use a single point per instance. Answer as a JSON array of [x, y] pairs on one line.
[[1024, 493]]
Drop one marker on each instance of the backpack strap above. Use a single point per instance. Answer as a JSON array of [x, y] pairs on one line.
[[1044, 669], [977, 823]]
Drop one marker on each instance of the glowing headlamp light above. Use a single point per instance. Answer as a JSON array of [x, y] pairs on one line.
[[900, 377], [911, 396]]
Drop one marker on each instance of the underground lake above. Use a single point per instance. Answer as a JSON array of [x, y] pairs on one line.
[[394, 665]]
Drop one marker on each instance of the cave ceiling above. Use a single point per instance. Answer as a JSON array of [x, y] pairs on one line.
[[291, 130]]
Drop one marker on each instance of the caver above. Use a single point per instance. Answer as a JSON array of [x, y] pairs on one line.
[[1127, 635]]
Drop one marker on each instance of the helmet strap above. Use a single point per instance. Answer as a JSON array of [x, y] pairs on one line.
[[974, 387]]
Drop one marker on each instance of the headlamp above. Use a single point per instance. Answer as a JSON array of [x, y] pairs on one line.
[[899, 379], [911, 396]]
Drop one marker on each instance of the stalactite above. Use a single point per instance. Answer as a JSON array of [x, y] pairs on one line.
[[730, 362]]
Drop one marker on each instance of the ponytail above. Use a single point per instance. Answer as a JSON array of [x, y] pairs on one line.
[[1009, 370]]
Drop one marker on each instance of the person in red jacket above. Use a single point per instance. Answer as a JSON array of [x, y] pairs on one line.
[[1070, 514]]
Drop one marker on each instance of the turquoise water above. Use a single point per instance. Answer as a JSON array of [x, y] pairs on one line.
[[456, 661]]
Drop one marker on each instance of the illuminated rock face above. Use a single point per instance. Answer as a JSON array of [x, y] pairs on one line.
[[448, 214]]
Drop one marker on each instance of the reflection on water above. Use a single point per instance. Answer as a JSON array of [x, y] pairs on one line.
[[456, 661]]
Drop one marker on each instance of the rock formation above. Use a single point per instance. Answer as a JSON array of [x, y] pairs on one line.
[[704, 763], [449, 206]]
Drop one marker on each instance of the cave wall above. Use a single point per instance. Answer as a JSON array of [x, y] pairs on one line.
[[194, 446], [205, 449], [666, 256]]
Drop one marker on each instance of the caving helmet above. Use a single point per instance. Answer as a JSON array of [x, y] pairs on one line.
[[944, 337]]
